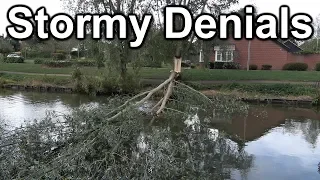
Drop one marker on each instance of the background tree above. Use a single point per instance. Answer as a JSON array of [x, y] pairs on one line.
[[5, 47], [312, 45], [157, 47]]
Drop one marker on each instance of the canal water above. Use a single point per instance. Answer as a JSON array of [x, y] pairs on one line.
[[283, 141]]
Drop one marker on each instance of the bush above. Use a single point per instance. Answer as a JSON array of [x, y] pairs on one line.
[[218, 65], [317, 68], [152, 63], [253, 67], [86, 63], [266, 67], [59, 56], [211, 65], [295, 67], [1, 58], [37, 54], [13, 60], [185, 65], [231, 65], [224, 65], [58, 64], [61, 52], [38, 61]]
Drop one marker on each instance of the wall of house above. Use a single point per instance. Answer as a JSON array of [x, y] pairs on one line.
[[311, 59], [262, 52], [268, 52]]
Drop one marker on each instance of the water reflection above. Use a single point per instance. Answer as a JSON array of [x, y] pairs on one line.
[[283, 140], [17, 108], [270, 142]]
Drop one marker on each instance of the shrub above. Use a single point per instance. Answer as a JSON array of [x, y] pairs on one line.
[[231, 65], [1, 58], [184, 64], [224, 65], [86, 63], [59, 56], [218, 65], [61, 51], [13, 60], [58, 64], [38, 61], [253, 67], [266, 67], [37, 54], [211, 65], [295, 67], [152, 63], [317, 68]]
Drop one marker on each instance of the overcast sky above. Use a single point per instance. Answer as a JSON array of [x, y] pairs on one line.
[[55, 6]]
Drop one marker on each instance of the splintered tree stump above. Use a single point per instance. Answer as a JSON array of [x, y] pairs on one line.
[[161, 105]]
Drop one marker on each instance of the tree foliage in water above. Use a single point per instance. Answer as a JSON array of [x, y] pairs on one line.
[[89, 144]]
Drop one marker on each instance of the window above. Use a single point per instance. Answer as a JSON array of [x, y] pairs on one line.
[[218, 56], [229, 56], [226, 56]]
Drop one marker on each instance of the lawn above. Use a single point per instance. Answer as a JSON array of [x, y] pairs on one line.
[[218, 75], [38, 68], [28, 67], [187, 75]]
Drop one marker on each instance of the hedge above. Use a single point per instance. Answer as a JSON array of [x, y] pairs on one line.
[[295, 66], [86, 63], [38, 61], [266, 67], [231, 65], [59, 56], [13, 60], [224, 65], [58, 64], [317, 68], [253, 67]]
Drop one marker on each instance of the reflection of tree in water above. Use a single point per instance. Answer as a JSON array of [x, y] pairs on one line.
[[70, 100], [88, 147], [309, 128], [311, 131]]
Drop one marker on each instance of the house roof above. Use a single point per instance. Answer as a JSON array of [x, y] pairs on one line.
[[289, 46]]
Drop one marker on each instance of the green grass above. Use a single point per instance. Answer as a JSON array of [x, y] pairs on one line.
[[25, 79], [187, 75], [279, 90], [273, 89], [217, 75], [38, 68]]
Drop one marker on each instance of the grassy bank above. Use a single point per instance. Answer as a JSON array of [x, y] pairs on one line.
[[35, 80], [221, 74], [262, 91], [256, 90]]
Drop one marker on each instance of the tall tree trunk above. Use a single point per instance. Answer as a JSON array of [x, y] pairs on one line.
[[124, 55]]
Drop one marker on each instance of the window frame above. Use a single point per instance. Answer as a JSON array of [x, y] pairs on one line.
[[227, 58]]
